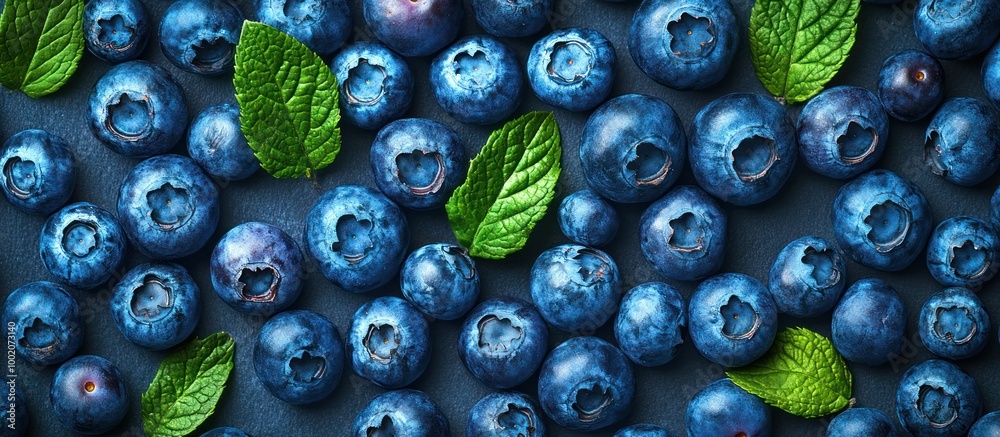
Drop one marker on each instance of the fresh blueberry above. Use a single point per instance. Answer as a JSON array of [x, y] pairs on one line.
[[963, 252], [575, 288], [953, 324], [506, 414], [116, 30], [168, 207], [881, 220], [808, 277], [414, 27], [225, 431], [357, 237], [842, 132], [956, 29], [986, 426], [299, 357], [257, 269], [389, 342], [633, 148], [723, 409], [650, 324], [962, 143], [15, 418], [861, 422], [156, 305], [477, 80], [733, 319], [586, 384], [401, 413], [82, 245], [742, 148], [200, 36], [137, 110], [322, 25], [643, 430], [587, 219], [47, 324], [937, 398], [216, 142], [911, 85], [440, 280], [684, 44], [503, 342], [572, 68], [376, 85], [869, 323], [89, 395], [512, 18], [991, 75], [39, 171], [684, 234], [418, 162]]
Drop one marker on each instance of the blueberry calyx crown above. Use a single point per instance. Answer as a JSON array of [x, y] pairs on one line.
[[498, 333], [39, 336], [570, 61], [258, 282], [21, 176], [170, 207], [115, 34], [129, 119], [889, 223], [353, 239], [753, 158], [856, 143], [384, 429], [306, 367], [824, 272], [302, 11], [937, 406], [80, 238], [687, 233], [592, 266], [592, 401], [459, 260], [421, 171], [740, 319], [933, 153], [382, 342], [955, 325], [649, 164], [152, 300], [691, 36], [212, 54], [517, 419], [969, 261], [365, 83], [474, 69]]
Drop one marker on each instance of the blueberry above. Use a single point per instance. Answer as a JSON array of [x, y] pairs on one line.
[[684, 234], [477, 80], [15, 416], [869, 323], [953, 324], [881, 220], [82, 245], [587, 219], [586, 384], [842, 132], [962, 143], [723, 409], [506, 414], [322, 25], [39, 171], [299, 357], [650, 324], [572, 68], [742, 148], [137, 110], [732, 319], [910, 85], [503, 342], [575, 288], [808, 277], [512, 18], [401, 413], [389, 342], [642, 430], [116, 31], [47, 324], [168, 207], [685, 44], [861, 422], [156, 305], [89, 395], [225, 431], [200, 36], [216, 142], [963, 252], [414, 27], [956, 29], [440, 280], [991, 75], [633, 148], [986, 426], [937, 398], [375, 84], [257, 269], [418, 162], [356, 237]]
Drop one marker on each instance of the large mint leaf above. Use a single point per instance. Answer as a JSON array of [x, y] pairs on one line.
[[41, 42]]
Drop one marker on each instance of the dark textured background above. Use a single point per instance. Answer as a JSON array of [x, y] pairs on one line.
[[756, 234]]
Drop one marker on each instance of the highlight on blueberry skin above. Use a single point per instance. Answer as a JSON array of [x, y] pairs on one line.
[[650, 323], [855, 422], [723, 409], [137, 110], [586, 384], [503, 341], [575, 288], [954, 324], [299, 357], [842, 132], [39, 172], [418, 162], [116, 30], [322, 25], [937, 398], [414, 27], [401, 413], [156, 306], [477, 80], [389, 342], [956, 30], [375, 84], [587, 219], [808, 277], [911, 85], [742, 148], [572, 68], [633, 148], [257, 269], [82, 245], [961, 143], [869, 323], [684, 234], [441, 280], [986, 426], [642, 430], [991, 75], [89, 395], [200, 36], [216, 142], [505, 414], [512, 18], [48, 328], [732, 319], [963, 252]]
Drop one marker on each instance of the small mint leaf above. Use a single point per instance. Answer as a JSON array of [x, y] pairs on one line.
[[41, 43]]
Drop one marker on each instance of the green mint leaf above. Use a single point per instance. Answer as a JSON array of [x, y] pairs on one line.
[[509, 187], [802, 374], [187, 386], [41, 42], [797, 46], [288, 102]]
